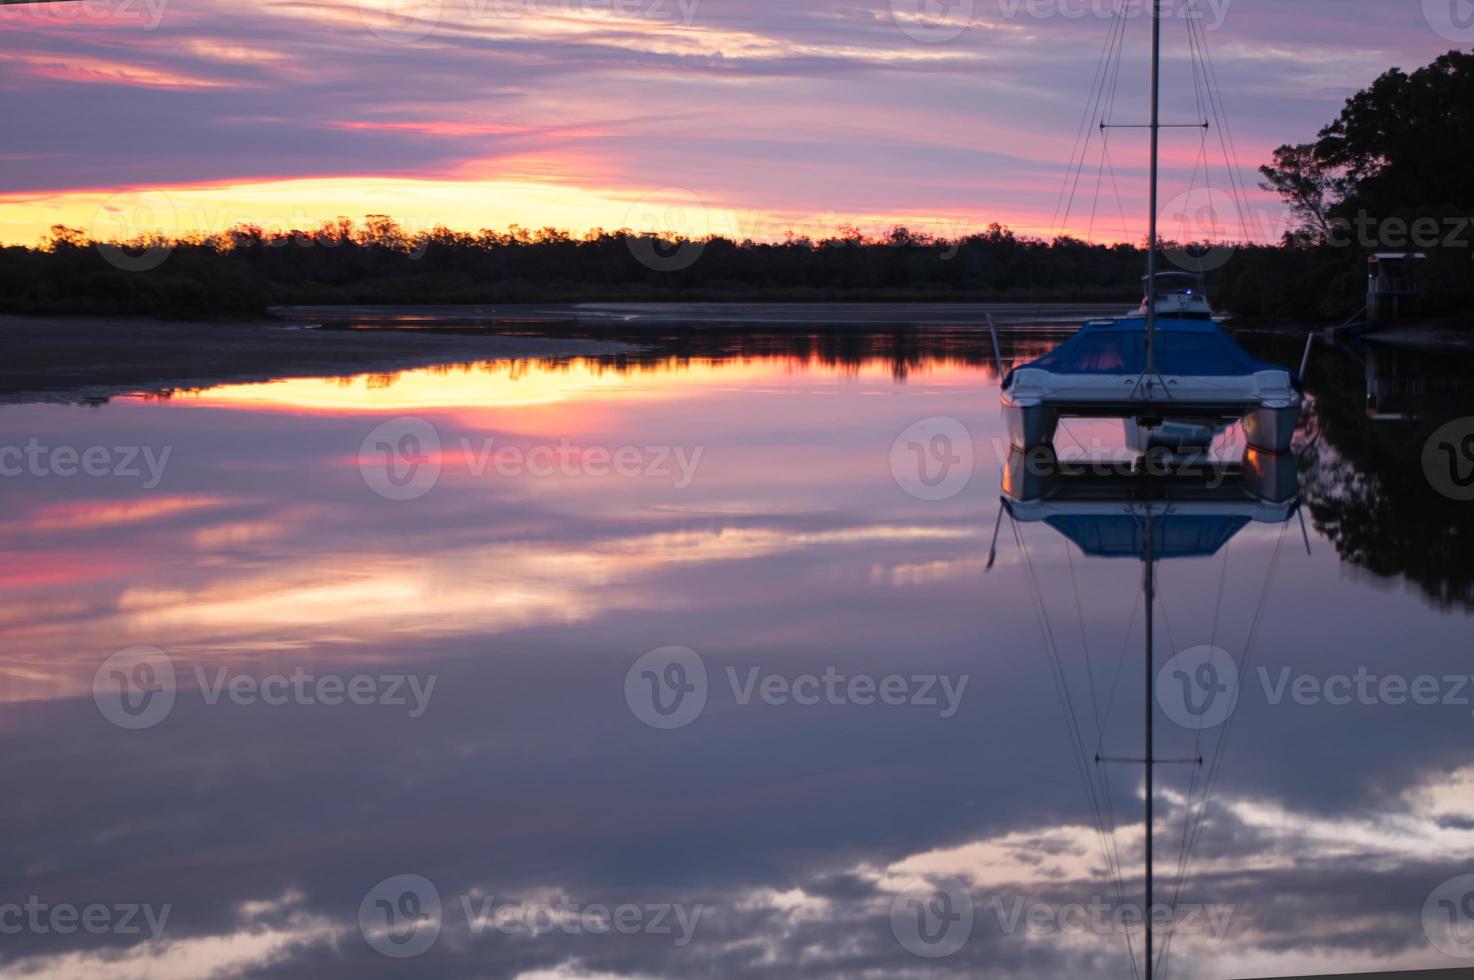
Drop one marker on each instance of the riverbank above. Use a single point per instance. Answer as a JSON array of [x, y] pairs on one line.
[[761, 315]]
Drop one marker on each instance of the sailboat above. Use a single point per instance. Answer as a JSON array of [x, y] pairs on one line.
[[1167, 369]]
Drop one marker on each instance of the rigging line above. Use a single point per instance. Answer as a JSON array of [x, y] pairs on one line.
[[1072, 726], [1095, 710], [1162, 604], [1116, 187], [1061, 682], [1218, 604], [1109, 59], [1095, 198], [1225, 132], [1189, 802], [1091, 105], [1084, 645], [1227, 731], [1071, 433], [1197, 58], [1105, 778], [1105, 138], [1191, 13], [1202, 160], [1097, 93], [1120, 662], [1181, 876], [1102, 67], [1108, 109]]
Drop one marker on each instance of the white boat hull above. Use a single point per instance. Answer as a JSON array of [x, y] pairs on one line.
[[1265, 402]]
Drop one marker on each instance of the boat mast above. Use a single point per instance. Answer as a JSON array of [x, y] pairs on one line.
[[1149, 588], [1151, 242]]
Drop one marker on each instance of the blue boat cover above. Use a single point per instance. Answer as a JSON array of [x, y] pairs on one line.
[[1185, 347], [1173, 535]]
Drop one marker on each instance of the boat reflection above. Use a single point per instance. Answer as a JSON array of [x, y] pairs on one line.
[[1194, 506], [1153, 507]]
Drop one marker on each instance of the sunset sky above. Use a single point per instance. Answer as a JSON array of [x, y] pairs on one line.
[[742, 117]]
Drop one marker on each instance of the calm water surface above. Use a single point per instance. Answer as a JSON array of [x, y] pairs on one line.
[[581, 812]]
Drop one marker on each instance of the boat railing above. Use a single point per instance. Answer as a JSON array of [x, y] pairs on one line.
[[1390, 286]]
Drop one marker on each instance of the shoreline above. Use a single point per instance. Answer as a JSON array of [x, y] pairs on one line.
[[88, 359], [91, 359]]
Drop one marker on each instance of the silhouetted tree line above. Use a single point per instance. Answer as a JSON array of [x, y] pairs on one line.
[[246, 269]]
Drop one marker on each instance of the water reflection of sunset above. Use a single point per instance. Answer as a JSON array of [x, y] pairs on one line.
[[794, 549], [514, 384]]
